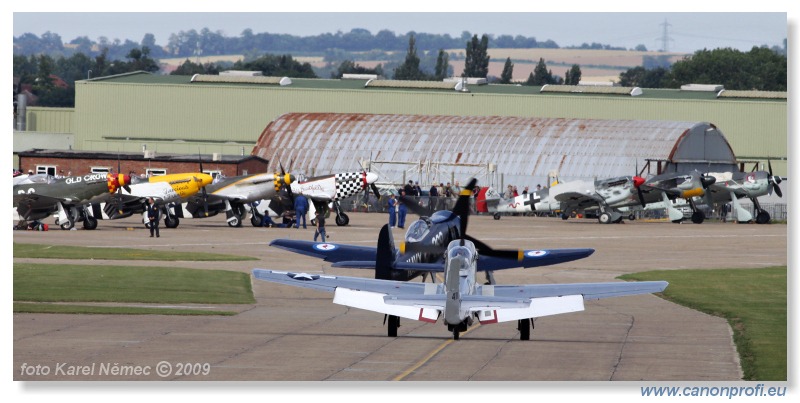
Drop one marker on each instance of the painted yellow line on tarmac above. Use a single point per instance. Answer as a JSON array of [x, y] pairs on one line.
[[429, 356]]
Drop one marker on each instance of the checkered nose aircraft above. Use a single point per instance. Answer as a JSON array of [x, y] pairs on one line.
[[325, 192]]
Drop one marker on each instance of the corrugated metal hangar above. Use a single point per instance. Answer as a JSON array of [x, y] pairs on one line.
[[175, 114], [497, 150]]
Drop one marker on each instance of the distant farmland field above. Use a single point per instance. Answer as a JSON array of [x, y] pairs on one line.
[[596, 65]]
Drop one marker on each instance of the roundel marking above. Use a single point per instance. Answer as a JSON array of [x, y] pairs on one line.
[[325, 247], [535, 253]]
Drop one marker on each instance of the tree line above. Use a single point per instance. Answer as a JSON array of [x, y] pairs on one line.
[[759, 69]]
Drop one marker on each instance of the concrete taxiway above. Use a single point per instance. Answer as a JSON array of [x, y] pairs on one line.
[[299, 335]]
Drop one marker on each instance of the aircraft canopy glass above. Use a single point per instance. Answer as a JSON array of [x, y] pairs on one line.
[[441, 216], [417, 231]]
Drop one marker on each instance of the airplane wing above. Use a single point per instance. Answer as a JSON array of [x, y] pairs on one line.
[[329, 252], [35, 205], [577, 201], [531, 258], [363, 293], [589, 291]]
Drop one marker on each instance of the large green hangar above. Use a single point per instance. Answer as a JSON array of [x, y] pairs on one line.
[[226, 114], [497, 149]]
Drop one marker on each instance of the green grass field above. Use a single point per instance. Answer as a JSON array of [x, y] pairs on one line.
[[127, 284], [752, 300], [37, 251]]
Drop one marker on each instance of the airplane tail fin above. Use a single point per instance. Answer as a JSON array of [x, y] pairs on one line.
[[385, 254]]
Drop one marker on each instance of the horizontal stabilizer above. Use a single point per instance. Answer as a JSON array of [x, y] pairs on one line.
[[374, 302]]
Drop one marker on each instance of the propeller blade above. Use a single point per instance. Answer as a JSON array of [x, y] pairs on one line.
[[375, 190], [461, 209], [414, 206], [777, 189]]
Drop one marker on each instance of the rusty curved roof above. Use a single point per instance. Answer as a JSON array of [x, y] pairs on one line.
[[524, 150]]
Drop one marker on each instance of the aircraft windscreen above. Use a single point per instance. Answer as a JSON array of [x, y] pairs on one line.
[[417, 231], [441, 216]]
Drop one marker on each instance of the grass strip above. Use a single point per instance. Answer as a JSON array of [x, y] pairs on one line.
[[752, 300], [23, 307], [162, 285], [38, 251]]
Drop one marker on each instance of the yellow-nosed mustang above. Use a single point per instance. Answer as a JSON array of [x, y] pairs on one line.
[[38, 196], [233, 195], [166, 191]]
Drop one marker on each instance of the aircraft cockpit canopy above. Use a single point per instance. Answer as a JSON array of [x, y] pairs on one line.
[[38, 178], [417, 231], [441, 216]]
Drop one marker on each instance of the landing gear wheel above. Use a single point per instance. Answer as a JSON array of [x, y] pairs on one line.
[[564, 216], [171, 222], [455, 333], [698, 217], [393, 323], [618, 220], [604, 218], [496, 216], [255, 219], [524, 326], [236, 221], [632, 217], [68, 225], [342, 219], [89, 223], [762, 217]]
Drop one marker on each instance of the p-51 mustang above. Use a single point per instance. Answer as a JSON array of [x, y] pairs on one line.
[[233, 195], [460, 299], [38, 196], [322, 191], [166, 190]]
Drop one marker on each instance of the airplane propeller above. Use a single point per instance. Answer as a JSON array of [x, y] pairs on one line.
[[774, 180], [638, 181]]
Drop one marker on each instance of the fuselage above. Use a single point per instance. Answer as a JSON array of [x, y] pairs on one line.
[[169, 188]]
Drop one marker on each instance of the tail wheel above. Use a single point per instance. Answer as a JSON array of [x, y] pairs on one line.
[[496, 216]]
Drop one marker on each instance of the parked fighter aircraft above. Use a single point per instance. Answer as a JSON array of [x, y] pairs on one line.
[[233, 196], [166, 190], [422, 252], [38, 196], [731, 186], [459, 299], [605, 195], [322, 191]]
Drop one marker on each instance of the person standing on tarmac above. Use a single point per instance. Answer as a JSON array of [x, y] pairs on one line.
[[401, 211], [153, 215], [300, 209]]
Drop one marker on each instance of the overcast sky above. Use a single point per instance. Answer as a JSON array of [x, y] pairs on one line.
[[686, 32]]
